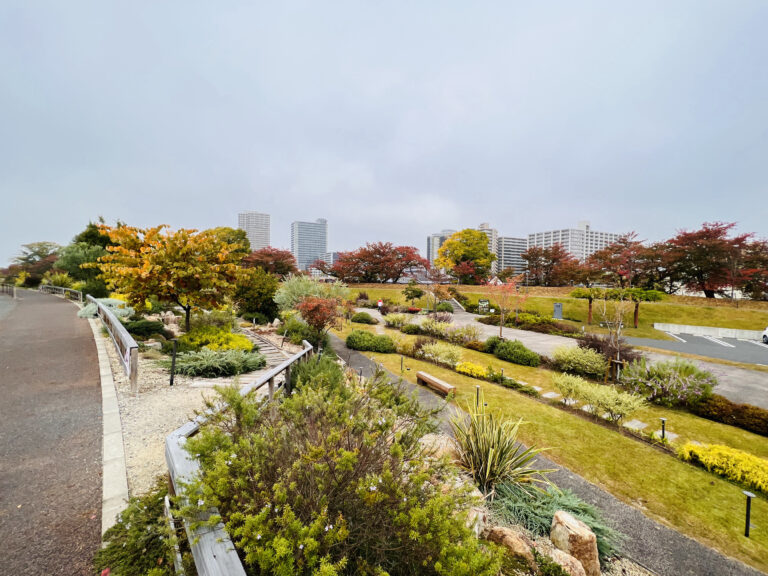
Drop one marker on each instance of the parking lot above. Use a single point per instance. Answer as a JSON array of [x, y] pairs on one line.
[[736, 350]]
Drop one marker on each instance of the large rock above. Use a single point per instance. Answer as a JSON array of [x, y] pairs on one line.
[[567, 562], [571, 535], [439, 445], [517, 546]]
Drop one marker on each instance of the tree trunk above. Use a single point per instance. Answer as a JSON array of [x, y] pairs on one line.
[[501, 324], [589, 313], [637, 313], [187, 312], [709, 293]]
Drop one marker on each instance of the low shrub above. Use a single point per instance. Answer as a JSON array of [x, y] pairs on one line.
[[440, 353], [145, 328], [297, 331], [435, 328], [396, 320], [488, 450], [608, 347], [491, 344], [413, 310], [209, 363], [213, 338], [584, 361], [257, 317], [602, 400], [344, 485], [673, 383], [453, 291], [463, 335], [514, 351], [735, 465], [365, 341], [476, 345], [745, 416], [534, 510], [364, 318], [444, 307], [362, 295], [413, 329], [321, 371], [472, 369], [223, 319]]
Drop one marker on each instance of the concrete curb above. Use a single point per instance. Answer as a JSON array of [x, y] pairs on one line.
[[114, 481]]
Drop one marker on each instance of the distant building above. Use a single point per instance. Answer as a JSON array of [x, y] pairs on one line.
[[493, 243], [330, 258], [434, 241], [309, 241], [510, 254], [581, 241], [256, 226]]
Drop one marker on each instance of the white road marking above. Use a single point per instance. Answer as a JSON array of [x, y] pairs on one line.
[[675, 337], [716, 341], [755, 343]]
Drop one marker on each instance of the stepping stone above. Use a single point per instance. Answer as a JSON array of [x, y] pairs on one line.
[[537, 388], [635, 425], [551, 395], [671, 436], [569, 402], [694, 442], [587, 408]]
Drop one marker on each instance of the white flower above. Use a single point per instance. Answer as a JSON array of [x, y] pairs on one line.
[[258, 536], [200, 502], [405, 499], [229, 462], [233, 455], [301, 546], [372, 488]]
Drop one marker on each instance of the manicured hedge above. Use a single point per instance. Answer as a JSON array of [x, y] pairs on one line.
[[361, 340], [364, 318], [514, 351], [744, 416]]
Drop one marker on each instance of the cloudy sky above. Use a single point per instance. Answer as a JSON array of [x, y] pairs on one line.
[[390, 119]]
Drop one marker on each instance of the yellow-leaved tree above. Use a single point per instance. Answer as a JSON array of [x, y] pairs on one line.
[[189, 268]]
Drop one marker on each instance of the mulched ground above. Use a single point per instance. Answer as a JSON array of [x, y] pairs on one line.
[[50, 439]]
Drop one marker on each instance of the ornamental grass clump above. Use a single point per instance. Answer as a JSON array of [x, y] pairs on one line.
[[396, 321], [735, 465], [673, 383], [488, 450], [208, 363], [332, 480], [439, 353]]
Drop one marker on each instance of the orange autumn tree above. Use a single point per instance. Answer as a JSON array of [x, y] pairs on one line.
[[189, 268]]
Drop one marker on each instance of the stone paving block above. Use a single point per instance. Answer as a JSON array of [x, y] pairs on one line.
[[537, 388], [635, 425], [569, 401], [551, 395]]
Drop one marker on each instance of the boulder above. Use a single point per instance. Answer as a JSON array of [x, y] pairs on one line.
[[517, 545], [572, 536], [566, 561], [439, 445]]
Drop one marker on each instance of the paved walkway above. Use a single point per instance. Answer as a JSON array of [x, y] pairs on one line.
[[660, 549], [50, 438]]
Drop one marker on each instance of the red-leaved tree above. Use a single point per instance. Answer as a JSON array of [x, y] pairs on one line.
[[321, 314], [273, 260]]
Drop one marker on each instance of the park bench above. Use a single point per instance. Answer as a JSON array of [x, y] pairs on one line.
[[436, 384]]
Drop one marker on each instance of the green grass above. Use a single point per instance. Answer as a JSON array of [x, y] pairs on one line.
[[686, 498], [669, 310]]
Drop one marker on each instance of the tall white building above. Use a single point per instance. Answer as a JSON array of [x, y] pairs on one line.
[[309, 241], [510, 254], [493, 243], [256, 226], [434, 241], [581, 241]]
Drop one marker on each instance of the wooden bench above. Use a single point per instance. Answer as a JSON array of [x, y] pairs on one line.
[[442, 388]]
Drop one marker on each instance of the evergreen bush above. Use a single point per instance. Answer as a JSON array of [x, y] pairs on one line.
[[514, 351]]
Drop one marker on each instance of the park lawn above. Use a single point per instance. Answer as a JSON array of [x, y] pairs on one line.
[[575, 311], [688, 426], [677, 494]]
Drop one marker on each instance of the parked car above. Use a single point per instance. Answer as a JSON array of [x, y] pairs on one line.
[[765, 336]]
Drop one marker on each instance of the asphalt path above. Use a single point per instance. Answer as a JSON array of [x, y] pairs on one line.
[[50, 438], [736, 350]]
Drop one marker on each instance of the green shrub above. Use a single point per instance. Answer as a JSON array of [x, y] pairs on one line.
[[209, 363], [297, 331], [491, 343], [582, 361], [476, 345], [534, 510], [396, 321], [145, 328], [514, 351], [365, 341], [745, 416], [343, 485], [601, 399], [364, 318], [672, 383], [214, 339], [444, 307], [141, 542], [735, 465], [255, 291], [488, 449], [413, 329], [463, 335], [320, 370], [440, 353], [222, 319], [435, 328], [256, 317], [297, 287]]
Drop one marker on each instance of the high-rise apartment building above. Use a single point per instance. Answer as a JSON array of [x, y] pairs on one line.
[[256, 226], [493, 243], [434, 241], [309, 241], [581, 241], [510, 254]]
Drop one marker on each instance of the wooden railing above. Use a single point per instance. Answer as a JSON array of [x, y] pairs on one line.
[[212, 549], [126, 346], [59, 291], [8, 289]]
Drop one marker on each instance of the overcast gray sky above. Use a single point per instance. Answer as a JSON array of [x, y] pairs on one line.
[[390, 119]]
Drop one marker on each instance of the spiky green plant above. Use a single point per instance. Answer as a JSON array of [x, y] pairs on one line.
[[488, 449]]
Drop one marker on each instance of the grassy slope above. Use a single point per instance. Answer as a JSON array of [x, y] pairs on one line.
[[687, 498], [672, 310]]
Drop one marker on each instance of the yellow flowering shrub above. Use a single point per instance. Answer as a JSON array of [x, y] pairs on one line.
[[472, 369], [729, 463]]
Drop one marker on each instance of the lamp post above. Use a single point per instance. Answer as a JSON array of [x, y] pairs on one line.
[[663, 428], [173, 359], [749, 496]]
